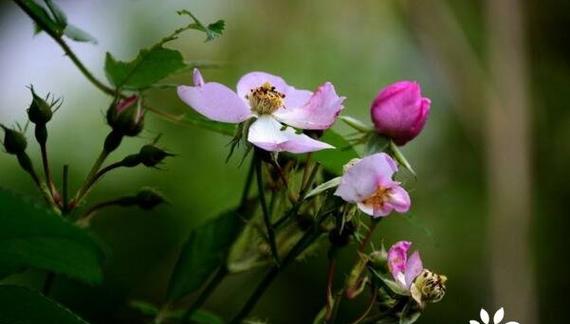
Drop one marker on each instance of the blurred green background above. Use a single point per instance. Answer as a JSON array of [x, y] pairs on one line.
[[490, 201]]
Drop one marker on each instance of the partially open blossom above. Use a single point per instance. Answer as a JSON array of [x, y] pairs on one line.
[[404, 269], [275, 105], [400, 112], [422, 284], [369, 184], [126, 116]]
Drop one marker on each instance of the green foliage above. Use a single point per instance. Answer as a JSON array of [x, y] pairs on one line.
[[31, 236], [212, 31], [334, 160], [53, 21], [205, 249], [149, 67], [156, 63], [20, 305], [195, 120]]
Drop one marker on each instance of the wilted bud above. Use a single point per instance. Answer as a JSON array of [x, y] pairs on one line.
[[428, 287], [149, 198], [400, 112], [14, 141], [151, 155], [126, 116], [40, 112]]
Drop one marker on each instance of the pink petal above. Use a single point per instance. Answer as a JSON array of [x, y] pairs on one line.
[[398, 258], [362, 180], [197, 78], [320, 112], [215, 101], [268, 134], [414, 267], [399, 199], [252, 80]]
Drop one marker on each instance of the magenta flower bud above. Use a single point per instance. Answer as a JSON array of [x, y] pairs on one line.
[[400, 112]]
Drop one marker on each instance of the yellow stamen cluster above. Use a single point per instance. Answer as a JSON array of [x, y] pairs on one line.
[[265, 99], [378, 198], [428, 287]]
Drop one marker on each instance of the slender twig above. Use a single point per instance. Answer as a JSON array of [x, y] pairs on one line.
[[306, 170], [89, 179], [248, 181], [330, 282], [265, 210], [85, 219], [47, 172], [208, 290], [368, 236], [57, 38], [369, 308], [308, 238]]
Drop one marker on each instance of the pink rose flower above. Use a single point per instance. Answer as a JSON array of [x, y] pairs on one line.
[[369, 184], [400, 112], [275, 105], [404, 269]]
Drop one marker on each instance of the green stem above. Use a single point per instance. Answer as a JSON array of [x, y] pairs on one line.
[[368, 236], [57, 38], [265, 210], [89, 179], [307, 239], [208, 290], [248, 181]]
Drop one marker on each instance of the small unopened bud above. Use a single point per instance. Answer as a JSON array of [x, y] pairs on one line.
[[149, 198], [126, 116], [14, 141], [379, 260], [151, 155], [40, 112]]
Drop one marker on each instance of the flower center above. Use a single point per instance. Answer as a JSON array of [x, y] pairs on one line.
[[265, 100], [378, 198]]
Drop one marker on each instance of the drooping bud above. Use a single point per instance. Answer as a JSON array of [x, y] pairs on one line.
[[151, 155], [40, 112], [400, 112], [148, 198], [14, 141], [428, 287], [126, 116]]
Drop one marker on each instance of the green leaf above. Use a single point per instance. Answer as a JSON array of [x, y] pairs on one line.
[[58, 15], [42, 17], [383, 281], [213, 30], [377, 143], [31, 236], [144, 307], [205, 250], [332, 183], [334, 160], [78, 34], [20, 305], [150, 66], [411, 313], [399, 156], [199, 316]]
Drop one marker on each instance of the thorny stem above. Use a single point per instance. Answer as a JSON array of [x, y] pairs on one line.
[[57, 38], [265, 210]]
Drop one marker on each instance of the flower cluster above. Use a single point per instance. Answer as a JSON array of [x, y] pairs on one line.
[[277, 117]]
